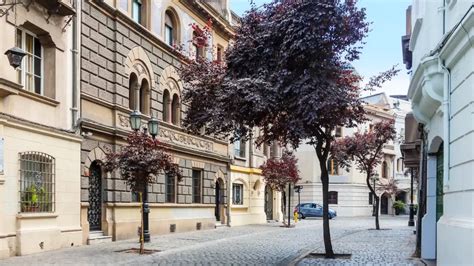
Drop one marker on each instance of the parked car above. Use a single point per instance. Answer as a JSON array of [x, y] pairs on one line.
[[312, 210]]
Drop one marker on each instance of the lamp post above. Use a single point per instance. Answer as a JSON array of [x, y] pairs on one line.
[[136, 124], [298, 190], [411, 221], [374, 179]]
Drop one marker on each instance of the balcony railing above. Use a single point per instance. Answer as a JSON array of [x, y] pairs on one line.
[[58, 7]]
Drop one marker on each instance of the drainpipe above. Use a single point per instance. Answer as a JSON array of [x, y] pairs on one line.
[[446, 121], [75, 54]]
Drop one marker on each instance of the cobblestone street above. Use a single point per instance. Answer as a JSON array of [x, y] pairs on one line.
[[267, 244]]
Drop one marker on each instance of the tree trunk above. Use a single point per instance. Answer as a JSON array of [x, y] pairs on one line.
[[377, 205], [325, 186], [377, 201]]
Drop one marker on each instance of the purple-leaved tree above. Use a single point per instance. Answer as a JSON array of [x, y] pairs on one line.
[[287, 73], [365, 150]]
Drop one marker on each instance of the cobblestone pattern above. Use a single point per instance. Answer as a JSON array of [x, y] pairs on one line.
[[267, 244]]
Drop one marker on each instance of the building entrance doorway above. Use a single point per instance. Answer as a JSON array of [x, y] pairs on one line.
[[384, 204], [218, 200], [94, 213], [269, 202]]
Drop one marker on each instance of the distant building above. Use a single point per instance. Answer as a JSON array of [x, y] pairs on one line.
[[348, 191], [438, 51]]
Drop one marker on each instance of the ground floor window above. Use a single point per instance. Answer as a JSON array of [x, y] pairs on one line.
[[37, 175], [170, 188], [196, 185], [332, 197], [237, 194], [371, 198]]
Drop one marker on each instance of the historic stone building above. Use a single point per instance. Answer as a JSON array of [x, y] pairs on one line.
[[39, 148], [128, 62]]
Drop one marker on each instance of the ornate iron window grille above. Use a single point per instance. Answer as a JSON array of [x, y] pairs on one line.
[[37, 182]]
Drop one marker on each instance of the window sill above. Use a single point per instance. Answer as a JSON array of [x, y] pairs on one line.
[[239, 207], [39, 98], [36, 215], [240, 158], [9, 88]]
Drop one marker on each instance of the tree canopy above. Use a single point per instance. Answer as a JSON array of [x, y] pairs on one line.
[[141, 160], [279, 172]]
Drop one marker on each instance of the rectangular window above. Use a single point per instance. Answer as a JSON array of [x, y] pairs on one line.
[[170, 187], [332, 197], [137, 11], [237, 194], [371, 198], [30, 73], [338, 132], [196, 184], [239, 148], [219, 54], [37, 174], [169, 35]]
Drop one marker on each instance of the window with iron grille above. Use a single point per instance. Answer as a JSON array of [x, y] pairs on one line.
[[37, 174], [170, 188], [196, 184], [332, 197], [237, 194]]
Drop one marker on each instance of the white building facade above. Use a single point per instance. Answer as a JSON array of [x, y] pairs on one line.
[[441, 91], [348, 191]]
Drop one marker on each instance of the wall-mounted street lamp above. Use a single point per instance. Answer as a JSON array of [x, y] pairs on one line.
[[136, 124], [15, 56]]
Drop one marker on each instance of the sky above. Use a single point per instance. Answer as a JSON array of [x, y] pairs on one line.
[[383, 45]]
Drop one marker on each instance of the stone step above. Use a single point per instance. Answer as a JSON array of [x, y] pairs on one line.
[[97, 237]]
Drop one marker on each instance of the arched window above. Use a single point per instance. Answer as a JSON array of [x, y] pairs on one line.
[[333, 167], [384, 169], [145, 98], [166, 106], [175, 111], [133, 87], [332, 197], [171, 28]]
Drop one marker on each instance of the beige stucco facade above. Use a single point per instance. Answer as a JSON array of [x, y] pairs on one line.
[[37, 134]]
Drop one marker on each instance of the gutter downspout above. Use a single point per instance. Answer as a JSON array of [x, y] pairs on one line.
[[75, 54], [446, 123]]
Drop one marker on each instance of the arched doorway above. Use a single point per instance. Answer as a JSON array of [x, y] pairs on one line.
[[384, 204], [269, 202], [94, 213], [219, 200], [439, 182]]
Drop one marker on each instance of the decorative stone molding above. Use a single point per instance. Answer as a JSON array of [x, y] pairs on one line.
[[97, 154], [137, 62], [184, 139], [426, 89], [198, 165], [169, 79]]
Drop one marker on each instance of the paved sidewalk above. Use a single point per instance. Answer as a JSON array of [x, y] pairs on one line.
[[267, 244]]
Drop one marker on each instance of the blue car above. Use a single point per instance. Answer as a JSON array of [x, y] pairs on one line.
[[312, 210]]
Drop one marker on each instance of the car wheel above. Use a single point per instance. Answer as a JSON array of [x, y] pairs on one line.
[[330, 216], [301, 216]]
